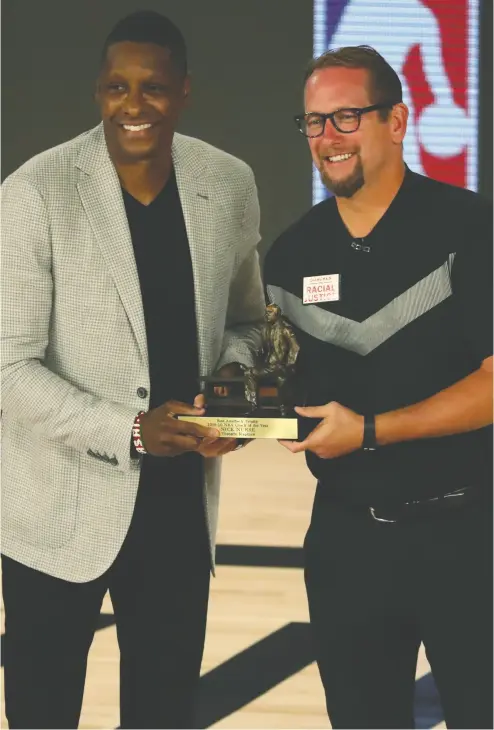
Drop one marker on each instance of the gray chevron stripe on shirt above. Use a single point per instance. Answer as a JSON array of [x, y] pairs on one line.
[[364, 337]]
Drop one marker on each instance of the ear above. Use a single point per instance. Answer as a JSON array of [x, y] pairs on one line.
[[97, 91], [186, 88], [398, 121]]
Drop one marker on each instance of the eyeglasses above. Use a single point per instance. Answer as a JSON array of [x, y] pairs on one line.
[[345, 121]]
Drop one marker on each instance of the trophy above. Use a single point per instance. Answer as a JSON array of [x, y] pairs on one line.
[[260, 402]]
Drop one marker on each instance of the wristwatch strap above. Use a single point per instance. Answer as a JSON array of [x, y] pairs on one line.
[[369, 442]]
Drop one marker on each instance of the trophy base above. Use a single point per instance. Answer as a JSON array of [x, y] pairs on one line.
[[248, 427]]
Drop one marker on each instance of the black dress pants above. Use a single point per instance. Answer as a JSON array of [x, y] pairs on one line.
[[377, 590], [159, 585]]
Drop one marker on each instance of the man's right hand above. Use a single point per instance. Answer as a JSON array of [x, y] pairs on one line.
[[164, 435]]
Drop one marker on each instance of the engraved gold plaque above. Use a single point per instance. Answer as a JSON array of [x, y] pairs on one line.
[[249, 427]]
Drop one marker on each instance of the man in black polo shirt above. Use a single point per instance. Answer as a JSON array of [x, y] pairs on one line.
[[388, 287]]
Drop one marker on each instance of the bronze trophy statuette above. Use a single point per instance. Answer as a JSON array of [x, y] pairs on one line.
[[259, 403]]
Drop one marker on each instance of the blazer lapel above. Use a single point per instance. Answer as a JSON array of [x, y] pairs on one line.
[[198, 210], [102, 200]]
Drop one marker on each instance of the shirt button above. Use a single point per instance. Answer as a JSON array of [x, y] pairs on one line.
[[142, 392]]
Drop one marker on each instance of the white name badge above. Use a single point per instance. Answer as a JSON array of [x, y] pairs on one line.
[[325, 288]]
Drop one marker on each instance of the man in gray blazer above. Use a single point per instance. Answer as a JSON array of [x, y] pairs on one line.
[[129, 268]]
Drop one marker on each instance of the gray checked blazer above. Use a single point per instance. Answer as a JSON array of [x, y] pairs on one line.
[[74, 351]]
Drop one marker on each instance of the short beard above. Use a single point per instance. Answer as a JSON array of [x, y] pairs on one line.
[[345, 188]]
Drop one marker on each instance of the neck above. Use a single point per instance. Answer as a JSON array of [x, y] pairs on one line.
[[146, 178], [361, 212]]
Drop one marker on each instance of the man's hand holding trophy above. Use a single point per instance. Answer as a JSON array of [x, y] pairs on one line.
[[258, 401]]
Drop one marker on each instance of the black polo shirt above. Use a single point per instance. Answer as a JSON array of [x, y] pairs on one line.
[[164, 266], [414, 316]]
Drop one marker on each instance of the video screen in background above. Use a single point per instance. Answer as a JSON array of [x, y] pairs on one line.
[[433, 45]]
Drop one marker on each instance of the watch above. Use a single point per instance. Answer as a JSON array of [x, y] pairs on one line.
[[369, 442]]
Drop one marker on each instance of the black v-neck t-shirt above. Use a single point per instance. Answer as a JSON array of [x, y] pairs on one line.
[[414, 316], [162, 254]]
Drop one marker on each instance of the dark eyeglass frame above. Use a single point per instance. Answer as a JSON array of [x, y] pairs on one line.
[[359, 111]]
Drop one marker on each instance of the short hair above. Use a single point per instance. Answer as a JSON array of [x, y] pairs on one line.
[[385, 85], [147, 26]]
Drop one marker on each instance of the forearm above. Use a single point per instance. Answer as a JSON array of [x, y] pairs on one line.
[[246, 303], [33, 393], [465, 406], [239, 345], [49, 405], [242, 336]]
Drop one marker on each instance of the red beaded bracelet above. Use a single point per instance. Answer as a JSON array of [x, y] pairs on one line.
[[136, 434]]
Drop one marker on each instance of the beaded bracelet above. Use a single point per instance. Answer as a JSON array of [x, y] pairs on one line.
[[136, 434]]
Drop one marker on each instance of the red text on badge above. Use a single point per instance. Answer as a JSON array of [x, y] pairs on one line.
[[325, 288]]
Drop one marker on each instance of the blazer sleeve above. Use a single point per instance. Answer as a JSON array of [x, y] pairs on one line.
[[246, 303], [32, 393]]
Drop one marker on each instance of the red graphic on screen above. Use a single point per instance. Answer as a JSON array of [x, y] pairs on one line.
[[452, 17], [428, 44]]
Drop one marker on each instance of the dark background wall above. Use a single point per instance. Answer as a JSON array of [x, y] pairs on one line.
[[246, 59]]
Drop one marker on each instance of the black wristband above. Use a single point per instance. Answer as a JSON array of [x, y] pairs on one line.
[[369, 442]]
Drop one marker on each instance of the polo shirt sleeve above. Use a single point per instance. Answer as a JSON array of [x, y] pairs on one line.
[[472, 280]]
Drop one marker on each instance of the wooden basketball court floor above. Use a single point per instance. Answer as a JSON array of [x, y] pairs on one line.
[[258, 670]]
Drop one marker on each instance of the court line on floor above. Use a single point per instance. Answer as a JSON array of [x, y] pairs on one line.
[[260, 556], [237, 681]]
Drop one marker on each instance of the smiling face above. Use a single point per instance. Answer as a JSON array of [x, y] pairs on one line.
[[141, 95], [348, 161]]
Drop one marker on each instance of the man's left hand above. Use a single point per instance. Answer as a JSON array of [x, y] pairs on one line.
[[220, 446], [210, 447], [340, 432]]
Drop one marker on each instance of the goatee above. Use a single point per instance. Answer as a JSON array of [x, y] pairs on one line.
[[344, 188]]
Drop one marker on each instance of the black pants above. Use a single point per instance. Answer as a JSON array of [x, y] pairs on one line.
[[159, 587], [376, 590]]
